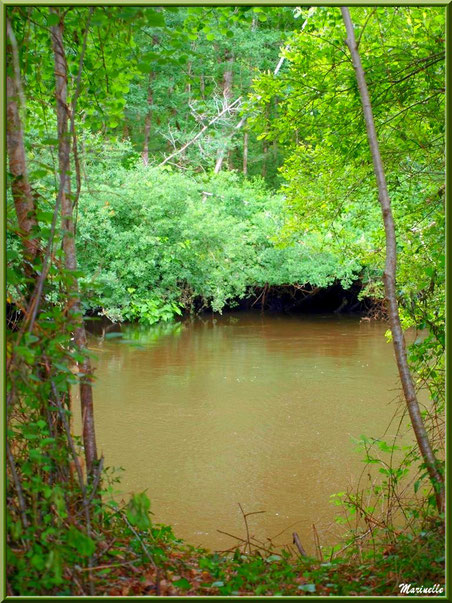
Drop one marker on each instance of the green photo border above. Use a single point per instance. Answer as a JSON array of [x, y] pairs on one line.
[[333, 3]]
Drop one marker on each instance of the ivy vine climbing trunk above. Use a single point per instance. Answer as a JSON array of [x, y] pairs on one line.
[[398, 339], [66, 204]]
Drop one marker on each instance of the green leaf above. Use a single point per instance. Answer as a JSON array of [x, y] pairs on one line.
[[150, 56], [182, 583], [154, 18], [81, 542], [49, 141], [44, 216], [145, 67], [38, 562], [54, 564], [53, 19], [37, 174], [138, 511]]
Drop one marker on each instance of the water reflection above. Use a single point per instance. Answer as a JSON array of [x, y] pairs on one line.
[[243, 408]]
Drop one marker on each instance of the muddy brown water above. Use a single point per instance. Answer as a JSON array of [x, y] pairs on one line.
[[244, 408]]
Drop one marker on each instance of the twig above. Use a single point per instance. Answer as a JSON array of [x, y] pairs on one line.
[[355, 539], [247, 528], [106, 566], [282, 531], [364, 27], [243, 540], [258, 298], [18, 486], [245, 515], [77, 583], [297, 543], [317, 542], [148, 555], [97, 479], [138, 537]]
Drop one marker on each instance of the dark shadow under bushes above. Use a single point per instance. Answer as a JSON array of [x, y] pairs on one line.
[[303, 299]]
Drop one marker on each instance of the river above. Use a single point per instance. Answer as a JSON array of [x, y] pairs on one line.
[[244, 408]]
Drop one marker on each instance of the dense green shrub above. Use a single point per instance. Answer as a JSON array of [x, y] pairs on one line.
[[152, 240]]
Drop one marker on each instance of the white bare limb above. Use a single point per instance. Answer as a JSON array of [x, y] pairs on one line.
[[201, 132]]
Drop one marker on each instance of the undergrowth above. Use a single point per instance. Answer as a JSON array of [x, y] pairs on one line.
[[129, 554]]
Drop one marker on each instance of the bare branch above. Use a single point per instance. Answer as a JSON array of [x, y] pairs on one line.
[[201, 132], [17, 485]]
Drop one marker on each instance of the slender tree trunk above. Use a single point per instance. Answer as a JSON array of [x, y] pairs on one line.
[[189, 72], [227, 95], [202, 87], [147, 123], [264, 158], [64, 150], [231, 159], [409, 391], [219, 162], [275, 142], [265, 146], [245, 153], [21, 190], [125, 130]]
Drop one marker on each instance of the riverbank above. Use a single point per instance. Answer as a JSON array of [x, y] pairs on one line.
[[152, 562]]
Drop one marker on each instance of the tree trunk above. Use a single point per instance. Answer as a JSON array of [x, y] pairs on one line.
[[125, 130], [202, 87], [219, 162], [265, 145], [227, 95], [189, 73], [147, 123], [64, 150], [245, 153], [409, 391], [264, 159], [21, 190]]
